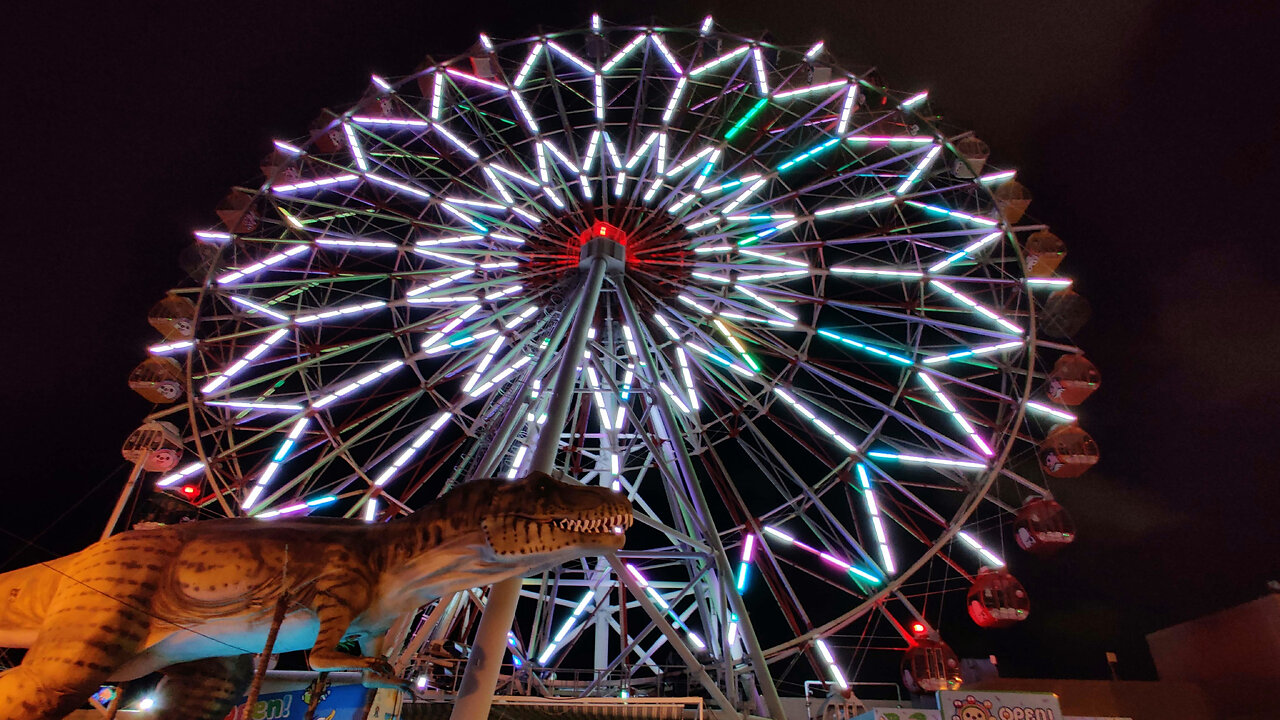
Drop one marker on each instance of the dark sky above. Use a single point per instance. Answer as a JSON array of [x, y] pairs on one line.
[[1147, 130]]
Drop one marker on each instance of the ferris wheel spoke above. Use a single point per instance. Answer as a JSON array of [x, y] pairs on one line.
[[814, 500]]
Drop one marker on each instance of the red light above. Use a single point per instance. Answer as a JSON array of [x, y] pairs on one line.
[[600, 229], [189, 490], [917, 628]]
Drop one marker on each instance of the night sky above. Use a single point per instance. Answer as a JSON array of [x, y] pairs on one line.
[[1148, 132]]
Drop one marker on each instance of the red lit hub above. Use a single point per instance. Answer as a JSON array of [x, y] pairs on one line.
[[600, 229]]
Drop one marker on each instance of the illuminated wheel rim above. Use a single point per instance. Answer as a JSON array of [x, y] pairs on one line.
[[821, 288]]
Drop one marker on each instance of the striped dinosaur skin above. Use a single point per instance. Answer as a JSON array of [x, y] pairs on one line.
[[146, 600]]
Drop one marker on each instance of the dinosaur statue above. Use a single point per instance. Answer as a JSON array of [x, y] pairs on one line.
[[195, 600]]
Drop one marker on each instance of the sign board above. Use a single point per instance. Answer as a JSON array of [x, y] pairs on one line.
[[899, 714], [342, 702], [385, 704], [979, 705]]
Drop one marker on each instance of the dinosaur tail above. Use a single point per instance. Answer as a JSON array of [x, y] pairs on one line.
[[25, 595]]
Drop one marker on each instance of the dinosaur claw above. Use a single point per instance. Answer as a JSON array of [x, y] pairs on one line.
[[380, 674]]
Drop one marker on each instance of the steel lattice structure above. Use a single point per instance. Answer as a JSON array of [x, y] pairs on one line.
[[811, 359]]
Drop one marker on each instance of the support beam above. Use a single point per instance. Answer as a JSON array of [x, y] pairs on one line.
[[475, 697], [724, 572]]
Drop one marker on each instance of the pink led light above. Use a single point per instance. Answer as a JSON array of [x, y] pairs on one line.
[[717, 62], [810, 89], [262, 264], [564, 53], [398, 186], [666, 54], [395, 122], [170, 347], [472, 78], [184, 472], [626, 50]]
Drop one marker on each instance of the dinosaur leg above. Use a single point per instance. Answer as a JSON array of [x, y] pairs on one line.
[[336, 605], [203, 689]]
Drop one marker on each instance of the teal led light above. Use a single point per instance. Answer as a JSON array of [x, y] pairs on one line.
[[863, 346], [807, 155]]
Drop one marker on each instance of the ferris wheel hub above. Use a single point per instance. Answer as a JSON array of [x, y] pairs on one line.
[[604, 241]]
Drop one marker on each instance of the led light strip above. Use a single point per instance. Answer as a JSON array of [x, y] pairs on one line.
[[982, 309], [263, 264], [1052, 411], [345, 310], [717, 62], [834, 669], [922, 460], [235, 368], [919, 170], [248, 405], [657, 598], [956, 415], [982, 550], [316, 183], [407, 454], [807, 90], [369, 244], [966, 252], [527, 67], [877, 272], [816, 421], [184, 472], [954, 213], [281, 454], [826, 556], [854, 206], [449, 327], [868, 496], [567, 626], [170, 347], [868, 348], [356, 384], [353, 142], [748, 546], [297, 507], [973, 352]]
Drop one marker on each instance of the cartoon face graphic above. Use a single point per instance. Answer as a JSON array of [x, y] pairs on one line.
[[971, 709]]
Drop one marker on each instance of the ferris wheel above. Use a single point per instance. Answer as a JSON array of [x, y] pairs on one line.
[[799, 319]]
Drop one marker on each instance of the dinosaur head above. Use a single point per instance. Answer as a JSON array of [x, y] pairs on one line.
[[487, 530], [550, 519]]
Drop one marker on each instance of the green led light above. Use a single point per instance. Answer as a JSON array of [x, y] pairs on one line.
[[746, 118]]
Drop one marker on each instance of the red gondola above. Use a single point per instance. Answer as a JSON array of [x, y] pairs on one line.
[[1073, 379], [930, 665], [1042, 253], [1042, 526], [237, 213], [996, 599], [327, 133], [1068, 451], [174, 317]]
